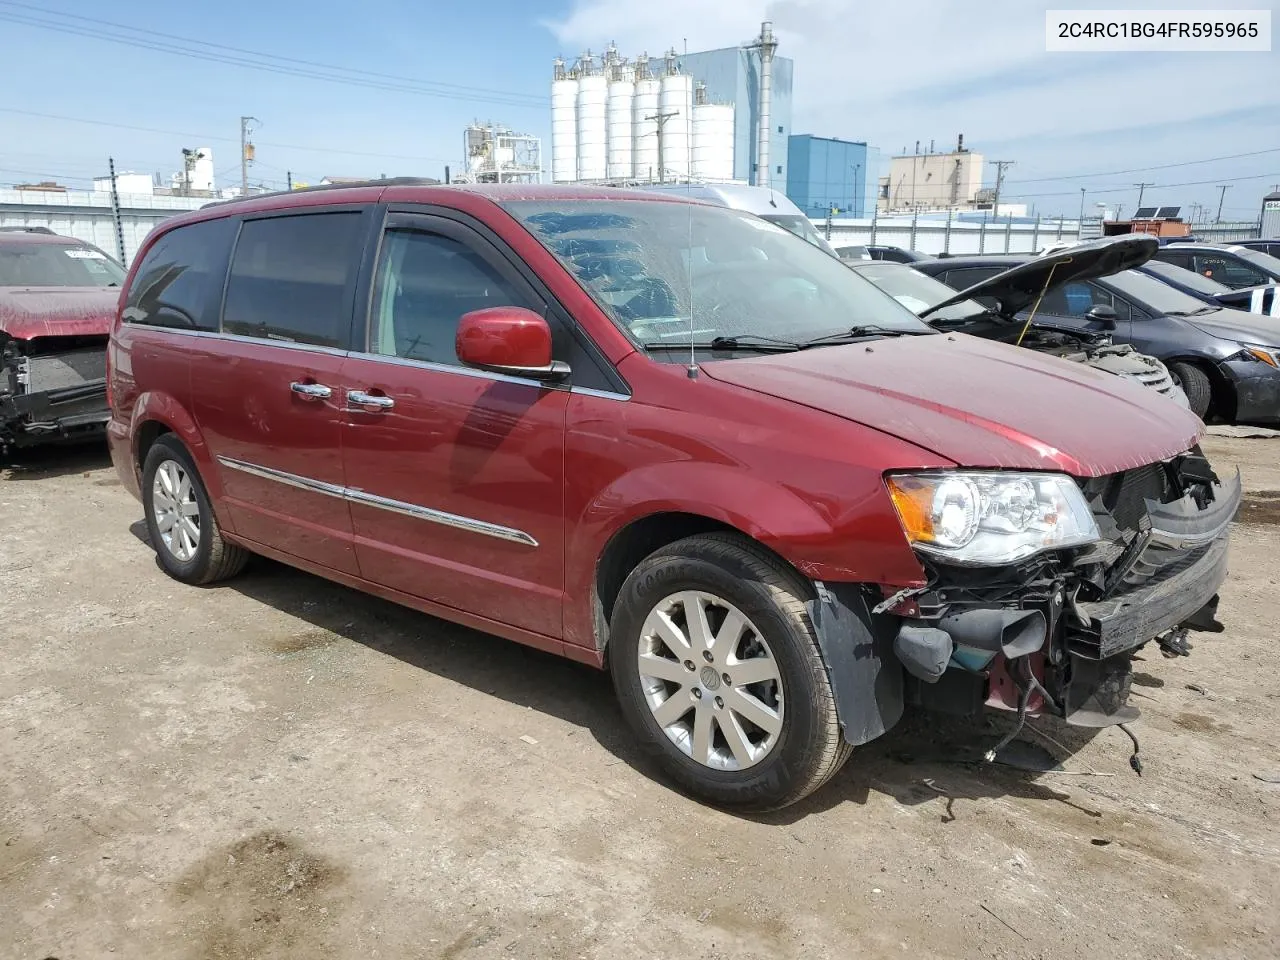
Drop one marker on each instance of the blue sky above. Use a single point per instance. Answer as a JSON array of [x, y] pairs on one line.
[[888, 73]]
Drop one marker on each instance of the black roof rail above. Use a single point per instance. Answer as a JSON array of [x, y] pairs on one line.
[[44, 230], [320, 188]]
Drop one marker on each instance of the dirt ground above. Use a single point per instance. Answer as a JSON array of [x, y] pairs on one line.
[[282, 768]]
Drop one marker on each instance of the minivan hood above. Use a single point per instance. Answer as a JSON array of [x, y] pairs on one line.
[[1239, 325], [978, 403], [1017, 288], [30, 312]]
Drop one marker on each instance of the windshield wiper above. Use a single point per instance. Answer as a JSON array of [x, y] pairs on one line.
[[742, 341], [1201, 311], [854, 334]]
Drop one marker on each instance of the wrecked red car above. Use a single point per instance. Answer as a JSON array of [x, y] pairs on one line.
[[666, 438], [57, 301]]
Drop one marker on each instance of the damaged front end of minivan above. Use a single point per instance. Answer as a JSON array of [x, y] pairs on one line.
[[52, 389], [1054, 631]]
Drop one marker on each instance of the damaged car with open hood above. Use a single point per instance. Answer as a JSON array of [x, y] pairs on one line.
[[668, 439], [57, 300], [989, 307]]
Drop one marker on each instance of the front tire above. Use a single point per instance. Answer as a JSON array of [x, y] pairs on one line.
[[719, 674], [1195, 384], [180, 520]]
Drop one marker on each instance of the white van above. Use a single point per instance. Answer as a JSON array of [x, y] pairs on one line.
[[765, 202]]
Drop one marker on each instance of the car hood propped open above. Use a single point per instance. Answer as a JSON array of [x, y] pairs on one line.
[[978, 403], [1017, 288]]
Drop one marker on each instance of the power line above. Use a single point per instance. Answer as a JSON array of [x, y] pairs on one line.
[[1158, 186], [1164, 166], [215, 138], [286, 66]]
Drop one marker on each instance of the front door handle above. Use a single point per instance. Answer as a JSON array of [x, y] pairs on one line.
[[311, 391], [369, 401]]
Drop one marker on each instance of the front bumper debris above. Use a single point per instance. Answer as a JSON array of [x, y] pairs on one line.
[[1057, 633]]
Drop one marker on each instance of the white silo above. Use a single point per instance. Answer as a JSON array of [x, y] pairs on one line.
[[593, 129], [712, 141], [644, 132], [564, 126], [676, 102], [621, 100]]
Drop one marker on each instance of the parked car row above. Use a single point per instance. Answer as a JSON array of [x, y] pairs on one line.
[[673, 440]]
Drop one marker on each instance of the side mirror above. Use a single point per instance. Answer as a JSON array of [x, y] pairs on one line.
[[510, 340], [1103, 315]]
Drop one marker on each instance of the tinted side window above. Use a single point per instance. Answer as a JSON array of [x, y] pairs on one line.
[[1177, 259], [1229, 270], [179, 282], [425, 283], [292, 276], [965, 278]]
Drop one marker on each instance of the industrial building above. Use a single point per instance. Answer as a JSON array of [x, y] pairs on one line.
[[721, 115], [497, 154], [932, 181], [827, 176]]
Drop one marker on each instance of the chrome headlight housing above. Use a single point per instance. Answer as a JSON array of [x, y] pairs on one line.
[[988, 519]]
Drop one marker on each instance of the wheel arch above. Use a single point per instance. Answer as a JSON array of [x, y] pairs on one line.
[[157, 414], [1222, 402]]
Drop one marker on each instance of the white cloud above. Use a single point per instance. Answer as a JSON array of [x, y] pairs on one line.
[[897, 72]]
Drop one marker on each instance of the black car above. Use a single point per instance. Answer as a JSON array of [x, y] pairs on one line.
[[1270, 247], [1227, 361], [1261, 299], [896, 254], [1232, 265], [937, 304]]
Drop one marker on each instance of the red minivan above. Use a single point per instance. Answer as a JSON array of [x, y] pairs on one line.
[[665, 437]]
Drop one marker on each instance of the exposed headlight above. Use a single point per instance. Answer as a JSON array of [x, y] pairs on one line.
[[1265, 354], [991, 518]]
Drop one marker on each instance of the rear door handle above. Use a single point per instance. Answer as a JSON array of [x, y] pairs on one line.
[[311, 391], [369, 401]]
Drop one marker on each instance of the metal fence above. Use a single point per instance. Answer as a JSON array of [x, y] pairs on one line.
[[88, 215], [934, 234]]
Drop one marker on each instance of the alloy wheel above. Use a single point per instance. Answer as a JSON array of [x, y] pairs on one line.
[[711, 681], [176, 510]]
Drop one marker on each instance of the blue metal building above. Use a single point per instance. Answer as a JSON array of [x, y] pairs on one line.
[[826, 175], [732, 75]]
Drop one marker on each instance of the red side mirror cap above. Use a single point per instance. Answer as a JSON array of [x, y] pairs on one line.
[[509, 340]]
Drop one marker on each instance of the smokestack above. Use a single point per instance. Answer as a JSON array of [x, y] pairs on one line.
[[767, 46]]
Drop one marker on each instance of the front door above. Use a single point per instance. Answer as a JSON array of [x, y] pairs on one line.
[[1068, 306], [455, 476], [268, 390]]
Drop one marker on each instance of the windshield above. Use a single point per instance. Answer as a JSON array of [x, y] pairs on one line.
[[1188, 278], [918, 292], [1153, 294], [669, 272], [1263, 260], [56, 265], [802, 227]]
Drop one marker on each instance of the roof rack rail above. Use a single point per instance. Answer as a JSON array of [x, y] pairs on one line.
[[320, 188], [44, 230]]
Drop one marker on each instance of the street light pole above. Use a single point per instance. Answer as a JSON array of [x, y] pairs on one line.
[[1082, 207]]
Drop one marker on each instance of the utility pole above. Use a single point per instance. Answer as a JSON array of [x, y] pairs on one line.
[[1222, 196], [858, 195], [1082, 208], [662, 119], [288, 178], [115, 210], [995, 201], [246, 153], [1141, 188]]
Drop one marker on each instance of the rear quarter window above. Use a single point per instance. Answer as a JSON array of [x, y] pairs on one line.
[[178, 285]]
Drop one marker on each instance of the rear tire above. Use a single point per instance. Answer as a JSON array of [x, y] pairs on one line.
[[180, 521], [1194, 382], [682, 702]]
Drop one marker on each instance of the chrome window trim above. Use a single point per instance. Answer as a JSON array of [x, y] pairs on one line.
[[355, 495], [240, 338], [429, 365]]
